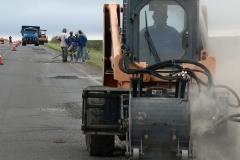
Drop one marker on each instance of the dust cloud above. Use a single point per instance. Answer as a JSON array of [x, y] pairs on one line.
[[221, 142]]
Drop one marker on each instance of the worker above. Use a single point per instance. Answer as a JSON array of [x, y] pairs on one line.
[[81, 41], [71, 45], [63, 37], [166, 39], [10, 39]]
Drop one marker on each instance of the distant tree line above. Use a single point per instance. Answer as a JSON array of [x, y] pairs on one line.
[[55, 39]]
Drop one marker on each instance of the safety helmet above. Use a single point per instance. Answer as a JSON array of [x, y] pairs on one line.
[[71, 32], [64, 30]]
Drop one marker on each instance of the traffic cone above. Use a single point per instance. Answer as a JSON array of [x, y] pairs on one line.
[[14, 47], [1, 60]]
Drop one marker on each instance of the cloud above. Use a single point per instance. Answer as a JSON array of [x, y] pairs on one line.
[[223, 16], [55, 15]]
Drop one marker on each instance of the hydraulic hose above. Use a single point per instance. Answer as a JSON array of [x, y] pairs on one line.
[[229, 117], [233, 92], [124, 67], [172, 62], [235, 119]]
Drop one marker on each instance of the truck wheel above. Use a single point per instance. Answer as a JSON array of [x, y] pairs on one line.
[[37, 44], [23, 44], [98, 145]]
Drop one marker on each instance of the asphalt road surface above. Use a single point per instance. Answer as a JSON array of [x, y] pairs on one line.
[[40, 105]]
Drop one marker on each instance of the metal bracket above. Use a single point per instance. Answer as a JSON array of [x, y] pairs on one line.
[[190, 152], [178, 150], [146, 134], [133, 16], [174, 136], [136, 154], [141, 148]]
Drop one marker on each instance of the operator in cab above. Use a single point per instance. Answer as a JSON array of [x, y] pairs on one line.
[[166, 39]]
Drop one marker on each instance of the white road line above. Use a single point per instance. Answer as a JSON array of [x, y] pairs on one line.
[[78, 68], [91, 78], [6, 52], [94, 79]]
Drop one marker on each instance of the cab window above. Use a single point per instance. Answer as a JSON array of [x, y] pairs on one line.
[[160, 27]]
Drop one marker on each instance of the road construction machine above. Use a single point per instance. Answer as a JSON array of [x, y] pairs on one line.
[[156, 59], [42, 37]]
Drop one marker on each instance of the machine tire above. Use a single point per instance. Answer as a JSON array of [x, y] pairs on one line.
[[36, 44], [23, 44], [98, 145]]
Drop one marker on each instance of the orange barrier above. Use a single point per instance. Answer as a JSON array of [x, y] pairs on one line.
[[14, 47], [1, 59]]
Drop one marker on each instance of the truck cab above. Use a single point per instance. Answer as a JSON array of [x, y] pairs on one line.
[[30, 35]]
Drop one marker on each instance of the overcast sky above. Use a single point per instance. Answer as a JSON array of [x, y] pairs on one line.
[[54, 15]]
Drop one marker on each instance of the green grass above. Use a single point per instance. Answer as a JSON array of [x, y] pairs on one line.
[[93, 46], [55, 46]]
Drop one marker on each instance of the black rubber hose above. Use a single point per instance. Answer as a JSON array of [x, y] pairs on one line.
[[168, 64], [162, 65], [132, 71], [193, 75], [195, 70], [172, 62], [190, 72], [126, 62], [123, 69]]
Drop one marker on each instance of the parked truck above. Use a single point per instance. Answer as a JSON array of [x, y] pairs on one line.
[[33, 35], [30, 35]]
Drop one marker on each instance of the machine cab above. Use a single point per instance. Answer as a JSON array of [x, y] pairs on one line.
[[162, 30]]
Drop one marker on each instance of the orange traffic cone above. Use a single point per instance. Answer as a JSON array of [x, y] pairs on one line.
[[16, 44], [14, 47], [1, 60]]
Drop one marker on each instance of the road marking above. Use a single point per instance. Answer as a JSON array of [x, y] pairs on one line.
[[78, 68], [51, 109], [94, 79], [6, 52], [91, 78]]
